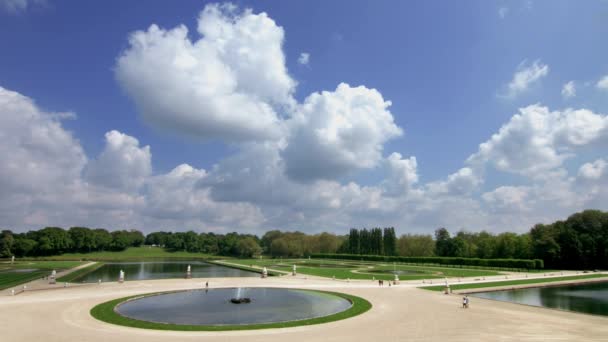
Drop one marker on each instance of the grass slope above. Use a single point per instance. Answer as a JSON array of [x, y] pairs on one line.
[[512, 282], [76, 274], [105, 312], [131, 254], [10, 278]]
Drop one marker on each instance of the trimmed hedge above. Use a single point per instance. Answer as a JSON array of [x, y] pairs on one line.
[[450, 261]]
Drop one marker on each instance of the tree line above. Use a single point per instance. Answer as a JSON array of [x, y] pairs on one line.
[[580, 241], [375, 241], [56, 240]]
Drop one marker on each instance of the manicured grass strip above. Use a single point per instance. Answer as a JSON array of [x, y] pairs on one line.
[[79, 273], [133, 254], [341, 269], [38, 264], [512, 282], [10, 279], [105, 312], [244, 268]]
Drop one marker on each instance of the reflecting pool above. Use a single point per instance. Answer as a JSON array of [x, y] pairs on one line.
[[585, 298], [161, 270]]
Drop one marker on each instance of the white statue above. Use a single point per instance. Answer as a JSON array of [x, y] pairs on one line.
[[188, 272], [189, 269], [52, 277], [264, 272], [13, 259], [294, 269], [121, 276]]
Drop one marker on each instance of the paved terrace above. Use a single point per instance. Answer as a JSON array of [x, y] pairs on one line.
[[399, 313]]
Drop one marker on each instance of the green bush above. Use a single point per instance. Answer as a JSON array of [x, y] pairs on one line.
[[449, 261]]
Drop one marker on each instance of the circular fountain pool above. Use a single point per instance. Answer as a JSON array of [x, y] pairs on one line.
[[214, 307]]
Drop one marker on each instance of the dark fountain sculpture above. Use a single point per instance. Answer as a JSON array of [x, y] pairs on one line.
[[238, 299]]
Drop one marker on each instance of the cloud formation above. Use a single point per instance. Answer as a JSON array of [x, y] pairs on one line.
[[334, 133], [122, 164], [602, 83], [526, 75], [304, 58], [537, 140], [569, 90], [226, 85]]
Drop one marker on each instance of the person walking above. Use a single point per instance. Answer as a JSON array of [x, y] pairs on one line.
[[464, 302]]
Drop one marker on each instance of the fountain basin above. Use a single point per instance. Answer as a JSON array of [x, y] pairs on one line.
[[213, 309]]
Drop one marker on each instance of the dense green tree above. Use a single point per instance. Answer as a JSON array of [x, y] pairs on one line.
[[416, 245], [24, 246], [328, 243], [52, 241], [354, 241], [6, 244], [102, 239], [208, 243], [82, 239], [268, 238], [443, 243], [248, 247]]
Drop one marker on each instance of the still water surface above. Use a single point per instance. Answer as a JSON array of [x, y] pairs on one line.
[[213, 307], [586, 298], [161, 270]]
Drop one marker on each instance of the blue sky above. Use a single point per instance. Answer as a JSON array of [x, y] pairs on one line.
[[449, 70]]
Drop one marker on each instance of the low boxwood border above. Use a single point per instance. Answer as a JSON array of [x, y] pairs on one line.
[[105, 312]]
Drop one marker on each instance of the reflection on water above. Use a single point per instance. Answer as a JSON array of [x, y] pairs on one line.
[[213, 307], [586, 298], [161, 270]]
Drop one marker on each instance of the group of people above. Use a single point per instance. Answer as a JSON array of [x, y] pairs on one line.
[[381, 283]]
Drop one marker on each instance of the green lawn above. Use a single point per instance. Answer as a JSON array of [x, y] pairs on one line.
[[343, 269], [131, 254], [10, 275], [512, 282]]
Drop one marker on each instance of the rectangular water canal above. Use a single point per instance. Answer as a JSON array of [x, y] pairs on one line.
[[585, 298], [161, 270]]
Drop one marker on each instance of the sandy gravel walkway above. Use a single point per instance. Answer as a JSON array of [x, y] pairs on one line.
[[400, 313]]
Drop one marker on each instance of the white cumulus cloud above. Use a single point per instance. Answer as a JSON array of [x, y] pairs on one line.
[[537, 140], [334, 133], [223, 85], [122, 164], [402, 174], [593, 171]]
